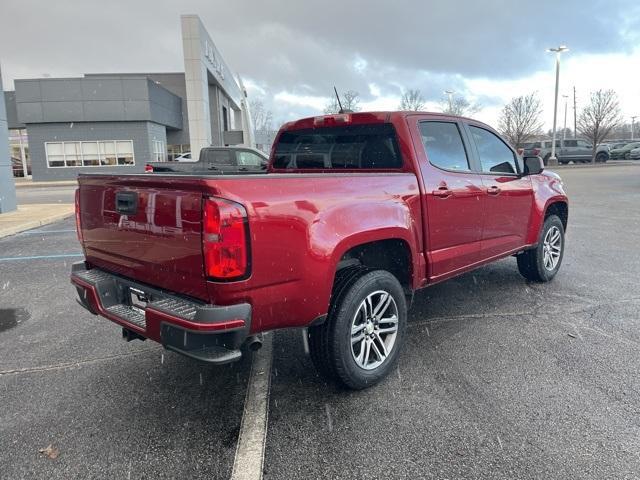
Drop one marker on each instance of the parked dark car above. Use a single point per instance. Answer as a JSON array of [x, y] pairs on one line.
[[18, 169], [624, 152]]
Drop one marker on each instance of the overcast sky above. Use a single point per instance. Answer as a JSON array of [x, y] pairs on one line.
[[291, 52]]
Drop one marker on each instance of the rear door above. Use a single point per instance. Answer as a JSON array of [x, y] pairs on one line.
[[218, 160], [509, 197], [453, 197], [147, 228]]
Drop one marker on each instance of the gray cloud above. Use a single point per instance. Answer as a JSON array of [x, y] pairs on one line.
[[306, 47]]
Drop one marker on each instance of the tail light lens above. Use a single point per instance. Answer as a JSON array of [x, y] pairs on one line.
[[78, 222], [225, 240], [148, 168]]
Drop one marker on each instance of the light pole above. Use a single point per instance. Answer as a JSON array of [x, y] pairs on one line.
[[558, 50], [450, 94], [633, 124], [564, 131]]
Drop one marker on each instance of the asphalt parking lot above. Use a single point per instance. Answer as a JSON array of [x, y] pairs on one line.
[[499, 378]]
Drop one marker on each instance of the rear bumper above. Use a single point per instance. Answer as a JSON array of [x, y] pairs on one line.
[[210, 333]]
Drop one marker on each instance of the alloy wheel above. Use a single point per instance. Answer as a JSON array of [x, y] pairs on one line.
[[374, 330], [552, 248]]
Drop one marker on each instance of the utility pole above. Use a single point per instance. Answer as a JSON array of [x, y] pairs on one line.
[[450, 94], [564, 131], [575, 115], [633, 125], [553, 160]]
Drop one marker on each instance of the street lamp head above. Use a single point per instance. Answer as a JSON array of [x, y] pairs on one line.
[[561, 48]]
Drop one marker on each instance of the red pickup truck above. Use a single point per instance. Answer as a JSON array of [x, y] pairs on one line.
[[356, 213]]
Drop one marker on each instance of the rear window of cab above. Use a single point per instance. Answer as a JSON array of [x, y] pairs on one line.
[[353, 147]]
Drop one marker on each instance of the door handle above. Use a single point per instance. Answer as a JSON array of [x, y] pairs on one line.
[[442, 192], [493, 190]]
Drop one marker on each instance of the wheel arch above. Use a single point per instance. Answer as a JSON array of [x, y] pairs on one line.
[[390, 252], [559, 208]]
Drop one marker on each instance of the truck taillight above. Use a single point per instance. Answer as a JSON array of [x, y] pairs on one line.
[[148, 168], [78, 222], [225, 234]]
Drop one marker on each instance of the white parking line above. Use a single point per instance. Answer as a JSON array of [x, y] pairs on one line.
[[253, 429]]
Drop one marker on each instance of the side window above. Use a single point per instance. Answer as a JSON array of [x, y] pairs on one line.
[[443, 144], [495, 156], [218, 157], [571, 143], [583, 144], [249, 159]]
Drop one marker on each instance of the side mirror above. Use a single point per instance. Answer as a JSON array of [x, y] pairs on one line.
[[533, 165]]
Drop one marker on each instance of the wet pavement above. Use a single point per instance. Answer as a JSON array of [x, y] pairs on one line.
[[500, 378]]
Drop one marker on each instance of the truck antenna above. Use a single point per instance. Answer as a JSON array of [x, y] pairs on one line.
[[338, 98]]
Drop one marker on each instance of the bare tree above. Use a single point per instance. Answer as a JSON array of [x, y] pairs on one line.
[[350, 100], [520, 119], [459, 105], [599, 117], [260, 116], [412, 100]]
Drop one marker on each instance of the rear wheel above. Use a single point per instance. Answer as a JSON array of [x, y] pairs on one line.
[[360, 341], [540, 264], [602, 157]]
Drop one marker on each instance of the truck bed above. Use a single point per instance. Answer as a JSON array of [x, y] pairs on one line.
[[299, 224]]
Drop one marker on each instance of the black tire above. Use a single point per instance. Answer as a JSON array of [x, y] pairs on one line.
[[330, 344], [531, 263], [563, 162], [602, 157]]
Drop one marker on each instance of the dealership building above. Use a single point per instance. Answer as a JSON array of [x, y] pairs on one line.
[[115, 123]]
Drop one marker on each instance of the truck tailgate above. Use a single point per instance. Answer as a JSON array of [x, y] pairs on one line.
[[145, 228]]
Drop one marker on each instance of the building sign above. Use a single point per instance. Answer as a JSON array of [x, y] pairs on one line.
[[210, 55]]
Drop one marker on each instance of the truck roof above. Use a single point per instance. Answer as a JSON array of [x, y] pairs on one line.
[[356, 118]]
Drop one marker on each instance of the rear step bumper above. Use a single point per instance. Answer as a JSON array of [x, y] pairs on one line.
[[205, 332]]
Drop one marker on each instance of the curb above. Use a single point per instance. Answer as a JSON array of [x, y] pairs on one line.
[[46, 184], [609, 164], [5, 232]]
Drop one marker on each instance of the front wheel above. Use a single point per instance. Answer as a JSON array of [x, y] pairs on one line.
[[540, 264], [360, 341]]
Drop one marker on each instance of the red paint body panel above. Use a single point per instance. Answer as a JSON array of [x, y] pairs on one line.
[[302, 223]]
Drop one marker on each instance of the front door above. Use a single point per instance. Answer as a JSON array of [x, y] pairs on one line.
[[453, 198], [509, 197]]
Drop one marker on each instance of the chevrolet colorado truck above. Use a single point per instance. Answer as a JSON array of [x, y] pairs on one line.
[[356, 212]]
